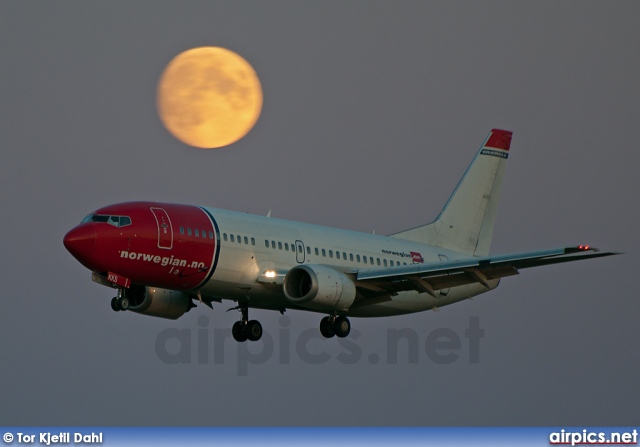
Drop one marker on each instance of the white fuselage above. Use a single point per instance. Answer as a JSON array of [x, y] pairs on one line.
[[251, 245]]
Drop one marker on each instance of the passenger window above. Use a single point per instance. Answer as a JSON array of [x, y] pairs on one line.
[[197, 233], [316, 249], [253, 241], [181, 230], [279, 245], [391, 262], [239, 239], [224, 236], [358, 258], [371, 259], [324, 253], [204, 233], [273, 244], [331, 253], [266, 243], [337, 255], [246, 240], [378, 261], [351, 257], [210, 234], [189, 231], [286, 246], [364, 258], [232, 237], [384, 261], [308, 250]]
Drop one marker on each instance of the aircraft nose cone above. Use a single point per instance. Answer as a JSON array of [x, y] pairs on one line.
[[81, 242]]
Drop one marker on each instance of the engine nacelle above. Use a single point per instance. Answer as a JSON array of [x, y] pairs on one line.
[[319, 288], [157, 302]]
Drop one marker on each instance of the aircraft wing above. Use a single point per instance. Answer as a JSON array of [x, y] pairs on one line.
[[430, 277]]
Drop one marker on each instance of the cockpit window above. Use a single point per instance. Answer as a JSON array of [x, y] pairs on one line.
[[95, 218], [116, 221]]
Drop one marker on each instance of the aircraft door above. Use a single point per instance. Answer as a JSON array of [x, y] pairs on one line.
[[165, 230], [299, 252]]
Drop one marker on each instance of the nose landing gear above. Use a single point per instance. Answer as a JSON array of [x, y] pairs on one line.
[[120, 302]]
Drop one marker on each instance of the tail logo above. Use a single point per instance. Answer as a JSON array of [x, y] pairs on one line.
[[498, 139], [494, 153]]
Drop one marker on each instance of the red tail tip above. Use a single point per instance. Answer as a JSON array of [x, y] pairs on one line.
[[499, 139]]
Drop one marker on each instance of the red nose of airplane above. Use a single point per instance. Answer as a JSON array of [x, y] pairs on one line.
[[81, 242]]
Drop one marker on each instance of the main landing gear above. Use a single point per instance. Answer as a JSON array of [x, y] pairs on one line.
[[120, 302], [246, 329], [335, 325]]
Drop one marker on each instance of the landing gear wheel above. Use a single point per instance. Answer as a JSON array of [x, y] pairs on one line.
[[326, 327], [244, 329], [238, 331], [122, 303], [253, 330], [342, 327]]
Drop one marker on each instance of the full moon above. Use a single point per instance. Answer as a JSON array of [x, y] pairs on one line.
[[209, 97]]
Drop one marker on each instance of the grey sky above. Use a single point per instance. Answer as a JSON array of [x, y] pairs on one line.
[[372, 111]]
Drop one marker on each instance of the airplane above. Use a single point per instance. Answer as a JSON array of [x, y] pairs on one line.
[[163, 257]]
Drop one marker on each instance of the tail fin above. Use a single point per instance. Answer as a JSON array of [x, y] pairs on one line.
[[466, 222]]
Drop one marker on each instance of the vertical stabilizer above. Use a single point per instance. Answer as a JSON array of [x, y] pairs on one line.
[[465, 224]]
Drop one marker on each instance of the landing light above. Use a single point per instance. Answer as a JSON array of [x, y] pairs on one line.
[[270, 274], [583, 247]]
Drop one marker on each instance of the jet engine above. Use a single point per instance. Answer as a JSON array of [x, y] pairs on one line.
[[157, 302], [319, 288]]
